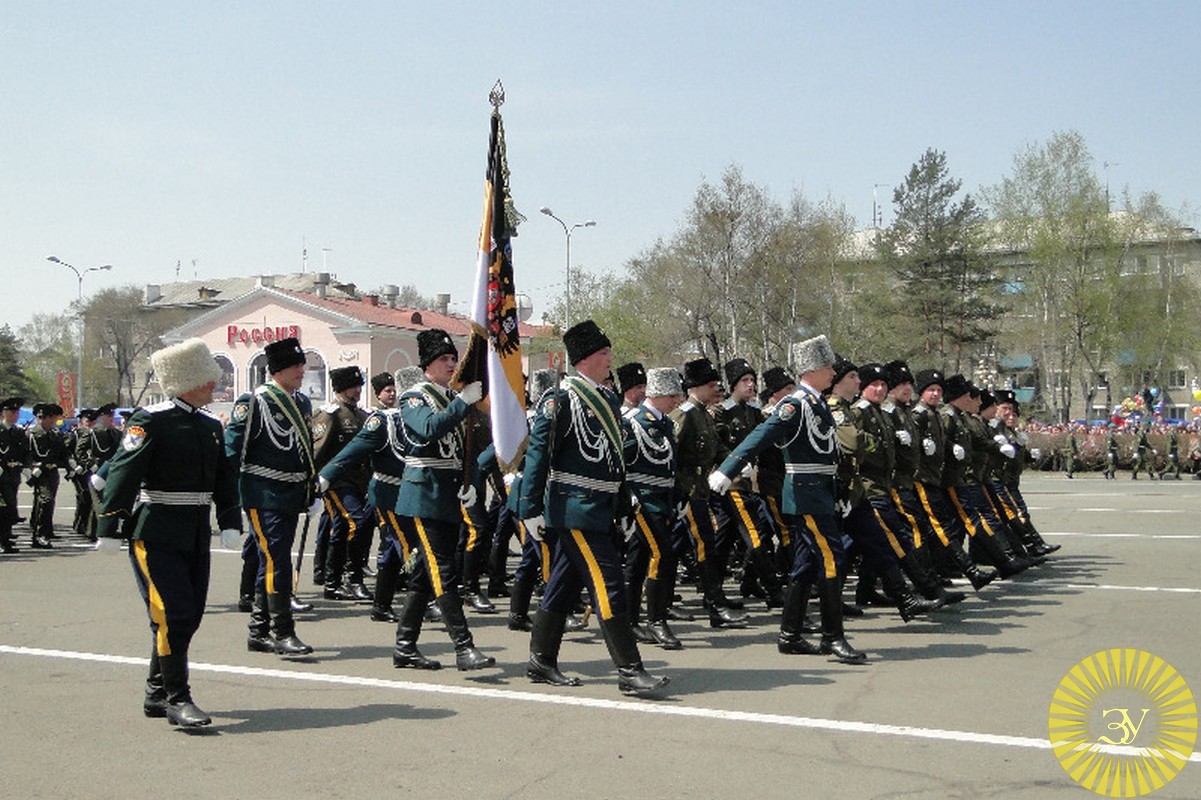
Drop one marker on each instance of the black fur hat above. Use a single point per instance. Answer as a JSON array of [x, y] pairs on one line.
[[432, 344], [583, 339]]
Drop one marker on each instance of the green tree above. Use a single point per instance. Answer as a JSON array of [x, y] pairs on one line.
[[13, 380], [943, 300], [48, 343], [120, 334]]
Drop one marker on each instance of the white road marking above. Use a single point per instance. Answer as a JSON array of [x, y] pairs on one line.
[[814, 723], [1124, 535], [1115, 587]]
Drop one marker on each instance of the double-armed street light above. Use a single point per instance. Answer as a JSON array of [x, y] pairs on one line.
[[567, 229], [79, 273]]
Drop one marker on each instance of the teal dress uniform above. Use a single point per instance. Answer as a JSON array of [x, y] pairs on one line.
[[269, 442], [430, 510], [350, 518], [169, 471]]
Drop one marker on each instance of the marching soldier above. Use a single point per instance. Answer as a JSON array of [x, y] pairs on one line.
[[631, 381], [802, 426], [651, 467], [351, 517], [102, 446], [160, 486], [269, 441], [769, 472], [432, 493], [1173, 463], [698, 450], [573, 487], [47, 455], [78, 443], [1111, 453], [1143, 454], [14, 455], [1071, 453]]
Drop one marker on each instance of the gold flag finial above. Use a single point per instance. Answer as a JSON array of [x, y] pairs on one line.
[[497, 96]]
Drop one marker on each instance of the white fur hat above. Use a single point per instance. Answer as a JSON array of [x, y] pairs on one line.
[[663, 381], [408, 377], [812, 354], [184, 366]]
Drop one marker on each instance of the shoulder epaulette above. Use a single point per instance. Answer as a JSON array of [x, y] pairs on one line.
[[687, 406], [862, 404], [159, 407], [728, 403], [330, 408]]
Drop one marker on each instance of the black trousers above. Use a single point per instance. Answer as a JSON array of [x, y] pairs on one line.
[[174, 584]]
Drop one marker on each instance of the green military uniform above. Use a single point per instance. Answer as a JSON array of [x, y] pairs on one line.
[[47, 456], [1173, 464], [1071, 452], [1111, 454], [14, 457], [348, 520], [1142, 456]]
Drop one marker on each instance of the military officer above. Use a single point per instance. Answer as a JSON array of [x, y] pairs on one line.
[[698, 450], [631, 381], [769, 472], [651, 471], [270, 443], [573, 487], [168, 473], [47, 456], [78, 444], [803, 428], [351, 517], [14, 456], [432, 493], [741, 511]]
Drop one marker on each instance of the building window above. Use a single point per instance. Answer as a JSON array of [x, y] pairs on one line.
[[226, 389], [1176, 379]]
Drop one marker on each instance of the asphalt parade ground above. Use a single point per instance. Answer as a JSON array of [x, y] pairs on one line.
[[954, 706]]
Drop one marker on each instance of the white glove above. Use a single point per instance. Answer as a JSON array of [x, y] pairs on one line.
[[316, 508], [231, 538], [629, 526], [999, 439], [1111, 456], [958, 451], [509, 478], [72, 464], [928, 446], [95, 468], [98, 483], [904, 438], [467, 495], [534, 526], [36, 472], [1008, 451], [842, 508], [746, 471], [109, 546], [322, 484], [472, 393], [1036, 454], [1, 469], [718, 482], [681, 509]]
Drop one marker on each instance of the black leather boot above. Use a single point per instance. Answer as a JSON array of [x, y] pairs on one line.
[[865, 589], [298, 606], [713, 572], [472, 596], [656, 614], [259, 638], [335, 567], [979, 578], [985, 549], [926, 583], [546, 636], [796, 598], [154, 704], [904, 600], [467, 657], [406, 655], [283, 628], [1033, 540], [385, 592], [250, 571], [320, 555], [519, 605], [834, 642], [180, 710], [498, 559], [632, 679], [634, 613], [761, 558]]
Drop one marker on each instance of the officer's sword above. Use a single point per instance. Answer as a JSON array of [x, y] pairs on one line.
[[304, 535]]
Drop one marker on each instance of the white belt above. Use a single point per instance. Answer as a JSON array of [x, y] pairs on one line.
[[275, 474], [658, 481], [584, 482], [383, 477], [433, 463], [161, 498], [810, 469]]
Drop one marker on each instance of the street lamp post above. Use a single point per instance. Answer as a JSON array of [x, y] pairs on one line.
[[567, 232], [79, 297]]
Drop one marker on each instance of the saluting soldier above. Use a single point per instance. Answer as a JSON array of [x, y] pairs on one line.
[[803, 427], [47, 456], [698, 450], [14, 457], [351, 517], [170, 470], [430, 501], [573, 487], [269, 441]]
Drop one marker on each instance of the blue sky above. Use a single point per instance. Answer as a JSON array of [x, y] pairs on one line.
[[142, 134]]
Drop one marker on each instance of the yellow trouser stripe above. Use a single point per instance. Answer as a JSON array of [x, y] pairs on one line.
[[544, 549], [774, 507], [261, 538], [752, 531], [471, 534], [930, 515], [394, 523], [831, 569], [695, 532], [652, 569], [430, 562], [889, 535], [157, 612], [913, 526], [963, 515], [598, 580], [334, 504]]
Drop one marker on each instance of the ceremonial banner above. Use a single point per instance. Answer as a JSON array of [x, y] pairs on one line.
[[494, 319]]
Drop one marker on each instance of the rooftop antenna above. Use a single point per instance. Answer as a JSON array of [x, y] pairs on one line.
[[177, 261], [194, 273], [304, 256]]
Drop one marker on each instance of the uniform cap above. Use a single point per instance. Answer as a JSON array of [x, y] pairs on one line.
[[343, 378], [12, 403], [382, 381], [187, 365], [870, 373], [927, 378], [630, 375], [812, 354], [283, 354], [955, 386], [432, 344], [776, 379], [583, 339], [698, 372], [736, 368], [842, 368], [897, 372]]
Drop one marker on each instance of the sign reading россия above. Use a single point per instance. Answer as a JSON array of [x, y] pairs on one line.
[[235, 334]]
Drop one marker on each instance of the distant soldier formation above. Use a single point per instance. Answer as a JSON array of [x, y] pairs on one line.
[[816, 490]]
